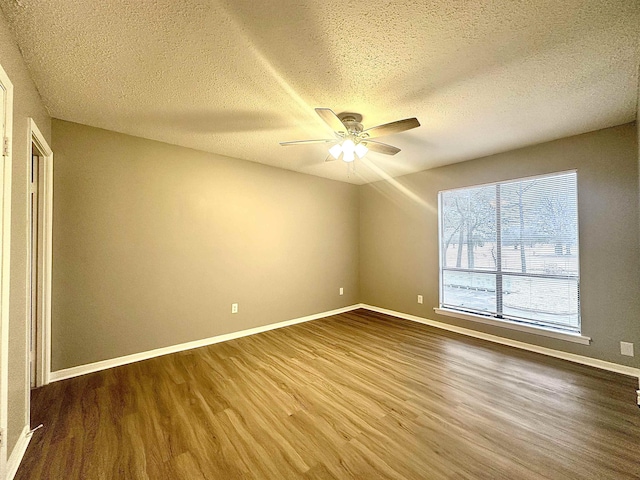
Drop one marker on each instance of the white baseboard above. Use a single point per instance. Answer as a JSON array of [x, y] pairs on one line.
[[572, 357], [18, 452], [136, 357]]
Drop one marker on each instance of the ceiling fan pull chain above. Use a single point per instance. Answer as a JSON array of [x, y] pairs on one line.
[[351, 168]]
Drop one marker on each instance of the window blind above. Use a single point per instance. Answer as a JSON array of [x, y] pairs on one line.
[[509, 250]]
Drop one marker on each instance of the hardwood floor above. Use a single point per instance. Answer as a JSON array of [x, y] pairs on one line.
[[354, 396]]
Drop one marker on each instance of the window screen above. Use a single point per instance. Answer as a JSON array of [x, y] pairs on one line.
[[510, 251]]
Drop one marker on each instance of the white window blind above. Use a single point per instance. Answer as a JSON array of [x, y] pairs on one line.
[[510, 251]]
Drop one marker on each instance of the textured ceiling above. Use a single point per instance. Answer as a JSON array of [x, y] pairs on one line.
[[237, 77]]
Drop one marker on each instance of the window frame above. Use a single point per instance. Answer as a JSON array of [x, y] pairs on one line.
[[502, 320]]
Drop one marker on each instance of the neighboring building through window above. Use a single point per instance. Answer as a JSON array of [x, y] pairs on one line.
[[509, 251]]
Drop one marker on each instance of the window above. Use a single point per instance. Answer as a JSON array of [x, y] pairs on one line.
[[509, 251]]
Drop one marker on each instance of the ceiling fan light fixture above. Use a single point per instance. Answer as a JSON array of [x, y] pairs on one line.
[[348, 156], [348, 146], [335, 151], [347, 150], [350, 149], [361, 150]]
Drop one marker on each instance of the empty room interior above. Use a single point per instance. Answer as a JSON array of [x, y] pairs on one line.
[[319, 240]]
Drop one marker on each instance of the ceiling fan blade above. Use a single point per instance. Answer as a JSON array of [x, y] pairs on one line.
[[303, 142], [393, 127], [330, 158], [331, 119], [381, 147]]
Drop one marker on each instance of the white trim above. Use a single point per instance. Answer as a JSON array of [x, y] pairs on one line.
[[18, 453], [38, 138], [136, 357], [572, 357], [5, 258], [43, 345], [543, 331]]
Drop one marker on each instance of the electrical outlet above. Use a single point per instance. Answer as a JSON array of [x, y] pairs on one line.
[[341, 291], [234, 308], [626, 348], [420, 300]]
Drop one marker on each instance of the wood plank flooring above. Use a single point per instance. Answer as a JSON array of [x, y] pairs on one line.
[[353, 396]]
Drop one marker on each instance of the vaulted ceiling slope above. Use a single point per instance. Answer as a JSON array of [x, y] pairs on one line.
[[237, 77]]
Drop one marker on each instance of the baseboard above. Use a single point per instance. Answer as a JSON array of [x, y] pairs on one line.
[[572, 357], [136, 357], [18, 452]]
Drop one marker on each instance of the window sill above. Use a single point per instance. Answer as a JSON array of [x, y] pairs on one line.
[[543, 331]]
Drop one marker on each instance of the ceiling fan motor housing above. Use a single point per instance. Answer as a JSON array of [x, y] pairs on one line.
[[352, 122]]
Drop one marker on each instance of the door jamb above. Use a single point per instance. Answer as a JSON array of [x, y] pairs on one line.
[[43, 345]]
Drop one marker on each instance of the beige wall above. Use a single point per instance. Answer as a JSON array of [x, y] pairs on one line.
[[399, 235], [152, 243], [26, 103]]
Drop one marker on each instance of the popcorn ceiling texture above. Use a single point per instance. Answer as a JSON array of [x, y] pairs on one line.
[[237, 77]]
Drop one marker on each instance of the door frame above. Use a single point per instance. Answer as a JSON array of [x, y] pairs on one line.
[[5, 257], [43, 343]]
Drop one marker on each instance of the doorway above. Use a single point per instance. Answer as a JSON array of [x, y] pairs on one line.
[[40, 194]]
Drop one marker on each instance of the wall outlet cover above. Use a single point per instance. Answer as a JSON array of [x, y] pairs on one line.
[[234, 308], [420, 299], [341, 291], [626, 348]]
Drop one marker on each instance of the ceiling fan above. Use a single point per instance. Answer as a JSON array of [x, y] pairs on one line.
[[351, 139]]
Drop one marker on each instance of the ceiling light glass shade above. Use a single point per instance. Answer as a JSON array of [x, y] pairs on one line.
[[348, 156], [348, 149], [348, 146], [336, 150], [361, 150]]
